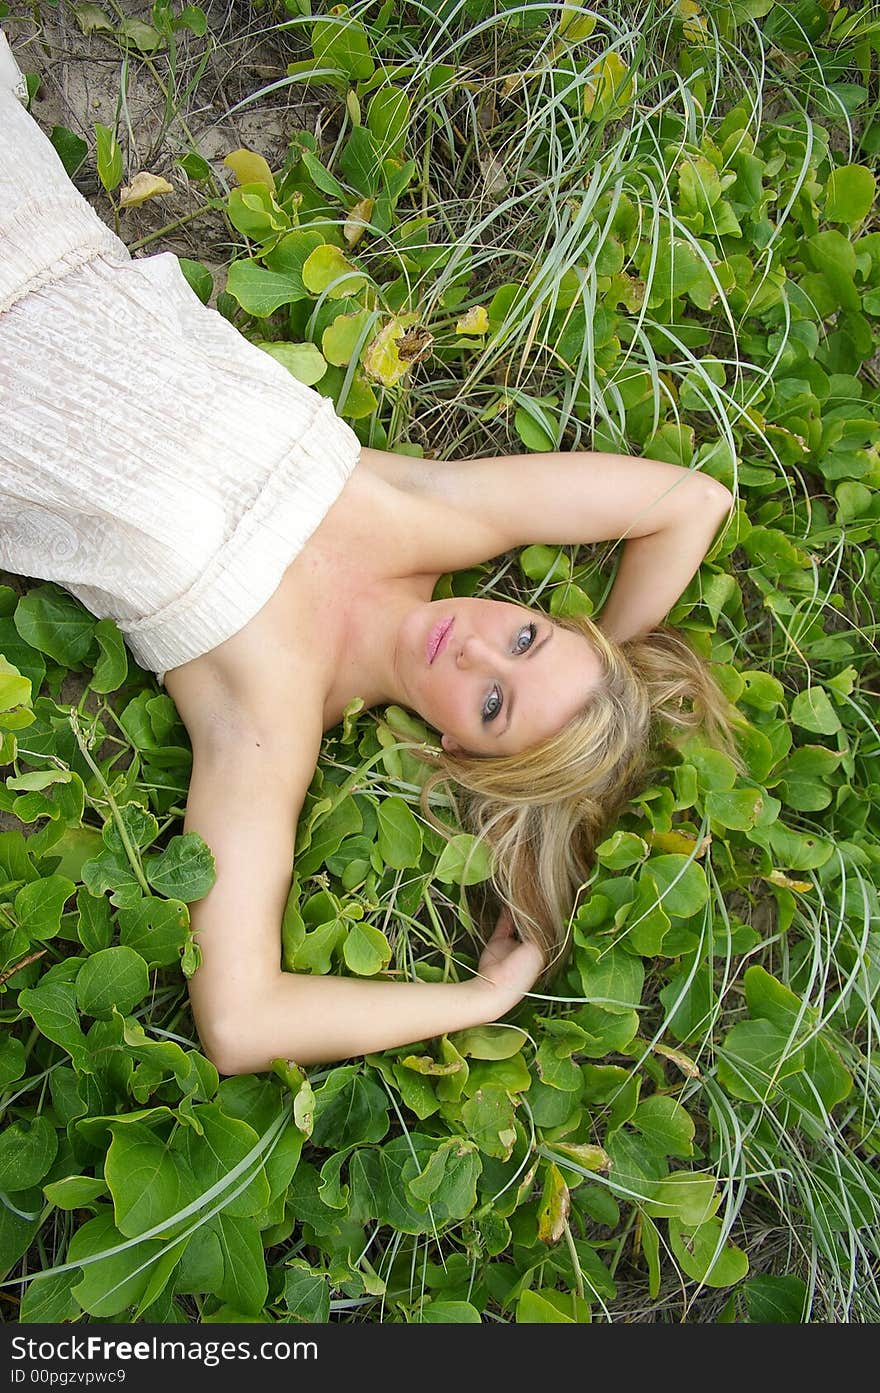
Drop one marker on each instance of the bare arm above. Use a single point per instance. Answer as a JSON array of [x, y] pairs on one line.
[[244, 800], [666, 515], [655, 569]]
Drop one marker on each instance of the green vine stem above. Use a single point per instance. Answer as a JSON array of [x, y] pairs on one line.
[[130, 850]]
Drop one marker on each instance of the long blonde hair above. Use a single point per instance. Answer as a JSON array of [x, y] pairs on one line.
[[543, 812]]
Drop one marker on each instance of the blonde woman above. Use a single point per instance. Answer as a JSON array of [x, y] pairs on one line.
[[269, 569]]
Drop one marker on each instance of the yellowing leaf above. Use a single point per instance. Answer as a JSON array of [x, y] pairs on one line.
[[609, 87], [780, 878], [685, 1064], [678, 842], [424, 1064], [555, 1206], [512, 81], [591, 1158], [250, 168], [575, 26], [694, 26], [90, 18], [355, 224], [142, 187], [476, 321], [386, 357], [327, 269]]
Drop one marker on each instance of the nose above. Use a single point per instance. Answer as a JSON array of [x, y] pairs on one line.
[[475, 654]]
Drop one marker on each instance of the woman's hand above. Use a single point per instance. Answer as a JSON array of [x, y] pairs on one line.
[[507, 967]]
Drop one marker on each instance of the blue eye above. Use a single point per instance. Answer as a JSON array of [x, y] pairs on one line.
[[494, 701], [529, 633], [492, 705]]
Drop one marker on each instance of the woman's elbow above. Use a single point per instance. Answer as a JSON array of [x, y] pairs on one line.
[[230, 1039]]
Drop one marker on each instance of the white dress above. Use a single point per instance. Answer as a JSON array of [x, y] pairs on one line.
[[153, 462]]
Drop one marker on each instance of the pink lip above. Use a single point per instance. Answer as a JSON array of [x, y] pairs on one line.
[[437, 638]]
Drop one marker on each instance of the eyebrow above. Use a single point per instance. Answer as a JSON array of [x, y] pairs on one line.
[[535, 648]]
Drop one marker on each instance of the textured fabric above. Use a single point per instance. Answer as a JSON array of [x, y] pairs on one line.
[[153, 462]]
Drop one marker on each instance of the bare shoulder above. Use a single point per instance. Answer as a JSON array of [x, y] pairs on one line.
[[450, 523]]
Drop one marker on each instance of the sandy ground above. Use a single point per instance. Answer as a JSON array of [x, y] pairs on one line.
[[86, 79]]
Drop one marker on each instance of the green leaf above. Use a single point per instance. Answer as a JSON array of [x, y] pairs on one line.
[[772, 1000], [192, 17], [48, 1300], [12, 1060], [776, 1300], [92, 18], [39, 905], [109, 157], [464, 860], [497, 1041], [737, 808], [245, 1282], [27, 1149], [798, 851], [143, 36], [849, 194], [691, 1197], [366, 950], [613, 980], [224, 1142], [155, 929], [341, 42], [315, 952], [148, 1182], [754, 1057], [114, 977], [763, 691], [448, 1179], [833, 257], [260, 291], [400, 838], [812, 710], [70, 147], [545, 564], [18, 1225], [535, 426], [547, 1308], [621, 850], [306, 1293], [666, 1124], [185, 870], [52, 621], [690, 1001], [198, 278], [327, 270], [704, 1256], [52, 1005], [388, 118], [449, 1313], [489, 1118], [681, 883], [253, 210], [609, 87], [117, 1281], [76, 1191], [346, 336], [604, 1031], [349, 1109]]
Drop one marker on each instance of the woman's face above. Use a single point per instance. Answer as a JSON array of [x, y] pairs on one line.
[[493, 678]]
